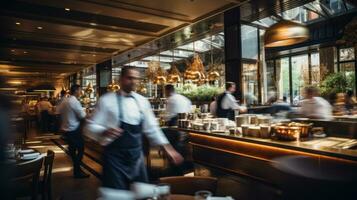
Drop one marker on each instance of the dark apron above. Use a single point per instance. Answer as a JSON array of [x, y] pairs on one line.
[[223, 113], [123, 161]]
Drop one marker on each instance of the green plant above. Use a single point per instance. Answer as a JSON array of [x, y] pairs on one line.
[[336, 83], [201, 93]]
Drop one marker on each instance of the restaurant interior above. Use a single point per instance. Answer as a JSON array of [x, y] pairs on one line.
[[291, 133]]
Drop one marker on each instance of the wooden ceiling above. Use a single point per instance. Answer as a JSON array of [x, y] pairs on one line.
[[48, 40]]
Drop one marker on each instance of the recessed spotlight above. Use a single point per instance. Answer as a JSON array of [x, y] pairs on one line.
[[12, 50], [67, 9], [39, 27], [18, 23], [93, 24], [25, 52], [94, 55]]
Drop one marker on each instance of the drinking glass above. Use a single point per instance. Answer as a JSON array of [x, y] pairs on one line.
[[202, 195]]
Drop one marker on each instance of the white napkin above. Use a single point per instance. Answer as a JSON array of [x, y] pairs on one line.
[[26, 151], [114, 194], [143, 190], [220, 198], [30, 155]]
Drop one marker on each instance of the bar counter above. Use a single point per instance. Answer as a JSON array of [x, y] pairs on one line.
[[247, 161]]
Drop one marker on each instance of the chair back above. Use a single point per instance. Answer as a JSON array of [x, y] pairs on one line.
[[29, 171], [47, 175], [190, 185]]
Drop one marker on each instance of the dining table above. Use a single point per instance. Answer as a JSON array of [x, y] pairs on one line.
[[181, 197]]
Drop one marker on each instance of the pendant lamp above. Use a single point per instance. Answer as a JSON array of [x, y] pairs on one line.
[[285, 33], [89, 89], [174, 75]]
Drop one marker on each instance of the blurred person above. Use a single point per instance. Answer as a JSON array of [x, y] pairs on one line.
[[176, 103], [118, 123], [72, 117], [5, 139], [227, 103], [315, 107], [350, 101], [213, 106], [44, 107]]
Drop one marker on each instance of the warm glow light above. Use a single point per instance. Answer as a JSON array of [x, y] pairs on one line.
[[18, 23], [67, 9], [39, 27], [93, 24], [15, 82]]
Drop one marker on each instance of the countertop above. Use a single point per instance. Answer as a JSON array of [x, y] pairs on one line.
[[328, 146]]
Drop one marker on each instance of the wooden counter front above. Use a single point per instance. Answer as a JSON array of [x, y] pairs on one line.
[[249, 161]]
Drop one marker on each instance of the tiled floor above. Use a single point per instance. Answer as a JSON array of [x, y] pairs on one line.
[[63, 184]]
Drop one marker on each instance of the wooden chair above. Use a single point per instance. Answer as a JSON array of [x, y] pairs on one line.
[[46, 183], [26, 178], [190, 185]]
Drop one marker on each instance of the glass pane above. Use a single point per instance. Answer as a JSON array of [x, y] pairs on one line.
[[347, 54], [282, 77], [270, 78], [315, 69], [300, 76], [348, 68], [249, 42], [250, 83]]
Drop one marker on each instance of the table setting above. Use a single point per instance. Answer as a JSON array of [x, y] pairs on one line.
[[145, 191], [17, 155]]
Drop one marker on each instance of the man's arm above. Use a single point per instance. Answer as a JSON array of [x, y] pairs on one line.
[[156, 136]]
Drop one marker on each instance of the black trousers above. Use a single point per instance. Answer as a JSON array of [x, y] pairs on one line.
[[76, 148], [44, 121]]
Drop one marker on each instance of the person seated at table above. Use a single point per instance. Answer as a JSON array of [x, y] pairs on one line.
[[315, 107], [176, 103], [44, 107]]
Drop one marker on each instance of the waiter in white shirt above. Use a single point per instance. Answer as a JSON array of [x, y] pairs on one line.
[[227, 103], [315, 107], [72, 114], [176, 104], [124, 117]]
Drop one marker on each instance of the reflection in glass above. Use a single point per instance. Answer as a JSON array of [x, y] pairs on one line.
[[250, 83], [249, 42], [282, 77], [300, 76], [315, 69], [347, 54]]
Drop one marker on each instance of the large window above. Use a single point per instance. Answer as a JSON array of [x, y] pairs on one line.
[[315, 69], [282, 69], [250, 83], [299, 75], [249, 42]]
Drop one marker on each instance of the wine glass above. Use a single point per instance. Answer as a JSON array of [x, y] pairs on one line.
[[202, 195]]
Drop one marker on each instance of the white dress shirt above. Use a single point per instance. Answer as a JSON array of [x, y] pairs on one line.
[[229, 102], [316, 107], [176, 104], [71, 112], [136, 109]]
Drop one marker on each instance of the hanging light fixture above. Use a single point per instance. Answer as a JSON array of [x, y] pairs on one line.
[[174, 75], [213, 73], [113, 87], [285, 33], [195, 71], [89, 89], [160, 77], [151, 70]]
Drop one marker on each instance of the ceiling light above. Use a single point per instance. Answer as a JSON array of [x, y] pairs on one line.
[[285, 33], [94, 55], [67, 9], [18, 23], [93, 24], [12, 50], [25, 52], [39, 27], [15, 82]]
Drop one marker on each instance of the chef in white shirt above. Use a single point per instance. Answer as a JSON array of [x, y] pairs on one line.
[[119, 122], [72, 114], [176, 103], [315, 107], [227, 103]]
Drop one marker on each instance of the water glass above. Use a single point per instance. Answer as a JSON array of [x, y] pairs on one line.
[[202, 195]]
